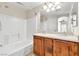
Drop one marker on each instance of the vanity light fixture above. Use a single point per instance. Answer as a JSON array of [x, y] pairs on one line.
[[58, 7], [44, 7], [51, 6]]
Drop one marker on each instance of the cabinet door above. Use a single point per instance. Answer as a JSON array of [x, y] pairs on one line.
[[73, 49], [77, 49], [38, 46], [48, 47], [57, 48], [35, 45], [60, 48], [41, 46], [64, 48]]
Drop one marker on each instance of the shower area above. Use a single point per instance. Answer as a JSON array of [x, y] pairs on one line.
[[13, 36]]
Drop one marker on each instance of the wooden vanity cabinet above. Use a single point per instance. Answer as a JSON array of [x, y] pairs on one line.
[[73, 49], [38, 46], [60, 48], [65, 48], [44, 46], [48, 47]]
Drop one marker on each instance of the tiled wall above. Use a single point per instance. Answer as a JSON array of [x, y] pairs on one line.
[[12, 29]]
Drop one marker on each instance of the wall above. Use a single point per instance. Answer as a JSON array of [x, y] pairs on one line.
[[32, 26], [49, 24], [12, 29], [13, 23], [19, 22], [76, 29], [33, 22]]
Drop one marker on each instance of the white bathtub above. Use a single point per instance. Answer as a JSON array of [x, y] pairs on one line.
[[20, 48]]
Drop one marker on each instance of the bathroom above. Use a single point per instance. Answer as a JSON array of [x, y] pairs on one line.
[[21, 22]]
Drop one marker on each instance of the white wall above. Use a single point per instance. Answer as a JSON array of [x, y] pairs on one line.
[[18, 22], [13, 29], [52, 24], [76, 29], [13, 24], [33, 22], [49, 25], [32, 26]]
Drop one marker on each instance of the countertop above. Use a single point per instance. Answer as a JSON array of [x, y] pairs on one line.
[[73, 38]]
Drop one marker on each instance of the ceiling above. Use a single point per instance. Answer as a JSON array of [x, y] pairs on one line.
[[66, 6], [25, 5], [21, 5], [65, 9]]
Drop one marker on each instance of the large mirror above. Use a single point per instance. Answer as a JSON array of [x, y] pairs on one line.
[[59, 17]]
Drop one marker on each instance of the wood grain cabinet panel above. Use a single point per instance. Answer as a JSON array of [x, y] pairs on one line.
[[73, 49], [57, 49], [43, 46], [38, 46], [60, 48], [64, 48], [48, 47]]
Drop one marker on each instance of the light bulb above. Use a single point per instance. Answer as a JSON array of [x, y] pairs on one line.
[[52, 8], [48, 10], [50, 5], [58, 7], [44, 7]]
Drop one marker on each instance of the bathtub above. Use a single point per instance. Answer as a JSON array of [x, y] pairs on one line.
[[20, 48]]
